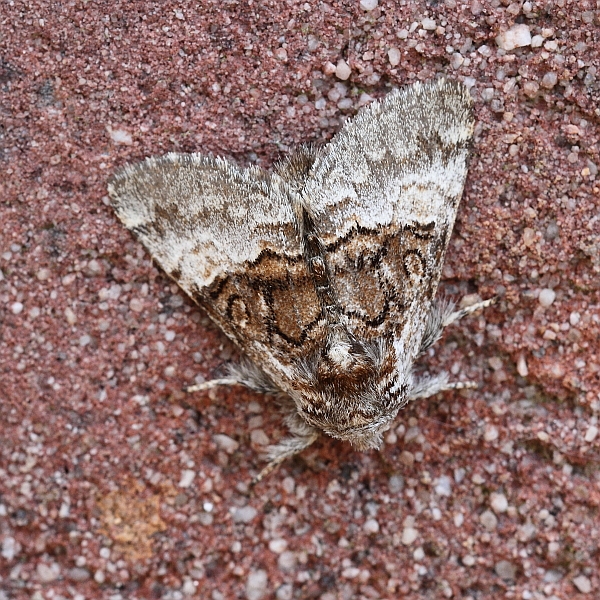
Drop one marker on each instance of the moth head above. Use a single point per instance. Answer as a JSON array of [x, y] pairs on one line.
[[351, 389]]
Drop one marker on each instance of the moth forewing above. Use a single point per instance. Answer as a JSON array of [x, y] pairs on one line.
[[324, 272]]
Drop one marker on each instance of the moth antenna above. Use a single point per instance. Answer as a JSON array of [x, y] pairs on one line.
[[287, 448], [208, 385]]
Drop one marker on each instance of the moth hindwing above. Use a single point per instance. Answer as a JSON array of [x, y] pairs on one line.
[[324, 271]]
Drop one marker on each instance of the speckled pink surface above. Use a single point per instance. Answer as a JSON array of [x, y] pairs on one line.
[[112, 482]]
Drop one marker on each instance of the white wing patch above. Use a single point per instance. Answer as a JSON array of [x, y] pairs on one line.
[[201, 229]]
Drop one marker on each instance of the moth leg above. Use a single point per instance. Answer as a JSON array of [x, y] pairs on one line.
[[246, 374], [430, 385], [303, 435], [463, 312], [442, 315]]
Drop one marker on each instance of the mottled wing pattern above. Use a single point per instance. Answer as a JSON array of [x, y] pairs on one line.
[[385, 195], [227, 236]]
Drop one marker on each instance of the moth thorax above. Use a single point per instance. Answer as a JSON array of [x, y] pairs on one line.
[[318, 266], [344, 362], [340, 354]]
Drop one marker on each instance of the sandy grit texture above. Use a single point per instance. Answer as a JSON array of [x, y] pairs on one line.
[[115, 484]]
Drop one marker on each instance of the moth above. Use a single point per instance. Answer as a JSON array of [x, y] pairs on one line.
[[324, 271]]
